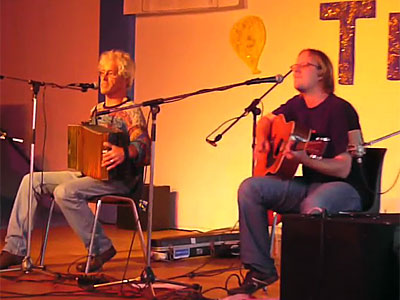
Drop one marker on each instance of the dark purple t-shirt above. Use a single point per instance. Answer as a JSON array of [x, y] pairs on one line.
[[333, 118]]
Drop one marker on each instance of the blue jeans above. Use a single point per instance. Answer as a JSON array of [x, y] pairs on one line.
[[70, 191], [256, 195]]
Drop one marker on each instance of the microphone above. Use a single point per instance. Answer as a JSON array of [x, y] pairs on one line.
[[272, 79], [85, 86], [4, 136], [214, 142], [357, 152]]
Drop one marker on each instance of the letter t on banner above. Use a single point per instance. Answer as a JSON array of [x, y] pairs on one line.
[[393, 72], [347, 13]]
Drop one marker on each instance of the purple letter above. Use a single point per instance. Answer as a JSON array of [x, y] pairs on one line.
[[347, 12], [393, 71]]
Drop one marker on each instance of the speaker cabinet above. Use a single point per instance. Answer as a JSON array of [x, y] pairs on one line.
[[344, 257], [163, 210]]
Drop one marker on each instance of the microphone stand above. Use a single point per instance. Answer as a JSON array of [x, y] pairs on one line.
[[27, 262], [4, 136], [27, 265], [148, 275], [13, 142], [253, 109]]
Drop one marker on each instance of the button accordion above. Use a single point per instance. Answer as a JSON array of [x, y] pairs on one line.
[[85, 150]]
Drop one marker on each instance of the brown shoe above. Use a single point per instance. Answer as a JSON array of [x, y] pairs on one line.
[[98, 261], [7, 259]]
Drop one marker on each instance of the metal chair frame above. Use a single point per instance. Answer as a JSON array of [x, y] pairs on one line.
[[107, 199]]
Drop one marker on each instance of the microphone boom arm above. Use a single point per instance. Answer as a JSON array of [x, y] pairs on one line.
[[37, 84], [388, 136], [251, 108], [277, 79]]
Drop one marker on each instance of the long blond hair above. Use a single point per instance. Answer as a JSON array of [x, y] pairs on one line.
[[325, 68]]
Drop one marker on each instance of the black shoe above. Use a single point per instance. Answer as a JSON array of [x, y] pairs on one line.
[[97, 262], [7, 259], [254, 281]]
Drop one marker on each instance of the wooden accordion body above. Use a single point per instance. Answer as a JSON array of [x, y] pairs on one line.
[[85, 150]]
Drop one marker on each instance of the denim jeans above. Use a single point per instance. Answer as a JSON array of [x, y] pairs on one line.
[[71, 191], [256, 195]]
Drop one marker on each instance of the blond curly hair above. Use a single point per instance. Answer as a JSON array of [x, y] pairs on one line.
[[126, 66]]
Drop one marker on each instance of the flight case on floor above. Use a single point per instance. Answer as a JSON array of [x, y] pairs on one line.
[[198, 244]]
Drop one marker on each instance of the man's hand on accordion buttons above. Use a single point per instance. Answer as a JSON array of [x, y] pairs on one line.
[[112, 156]]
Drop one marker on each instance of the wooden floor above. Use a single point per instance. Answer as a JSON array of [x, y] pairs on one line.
[[65, 249]]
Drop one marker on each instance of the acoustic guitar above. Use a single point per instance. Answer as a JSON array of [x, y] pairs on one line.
[[281, 133]]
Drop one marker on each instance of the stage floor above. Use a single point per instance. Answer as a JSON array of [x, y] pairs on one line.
[[65, 249]]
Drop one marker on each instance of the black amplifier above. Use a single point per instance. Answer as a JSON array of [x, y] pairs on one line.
[[340, 257]]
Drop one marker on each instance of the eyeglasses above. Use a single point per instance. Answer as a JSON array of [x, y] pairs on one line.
[[301, 66], [108, 73]]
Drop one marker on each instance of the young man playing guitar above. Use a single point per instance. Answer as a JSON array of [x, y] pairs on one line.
[[323, 185]]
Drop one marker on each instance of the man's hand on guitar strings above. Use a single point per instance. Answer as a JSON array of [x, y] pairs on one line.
[[112, 156], [261, 148], [300, 155]]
